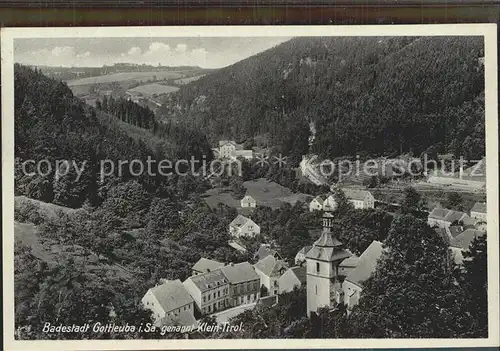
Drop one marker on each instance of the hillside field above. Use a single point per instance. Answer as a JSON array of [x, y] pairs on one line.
[[127, 76], [153, 88], [266, 193]]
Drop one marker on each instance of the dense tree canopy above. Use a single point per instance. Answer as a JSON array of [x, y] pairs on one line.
[[366, 95]]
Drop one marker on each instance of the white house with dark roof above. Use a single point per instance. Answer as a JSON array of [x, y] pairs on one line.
[[359, 198], [205, 265], [248, 202], [367, 263], [244, 283], [169, 299], [443, 217], [210, 291], [316, 204], [243, 226], [270, 269], [478, 211], [293, 277]]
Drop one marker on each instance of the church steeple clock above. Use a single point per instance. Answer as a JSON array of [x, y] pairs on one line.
[[323, 260]]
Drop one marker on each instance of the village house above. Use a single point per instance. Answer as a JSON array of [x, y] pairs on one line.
[[244, 283], [226, 148], [353, 283], [243, 226], [461, 243], [231, 150], [317, 203], [330, 204], [478, 211], [270, 269], [359, 198], [169, 299], [210, 291], [248, 201], [443, 217], [205, 265], [300, 257], [264, 251], [293, 277]]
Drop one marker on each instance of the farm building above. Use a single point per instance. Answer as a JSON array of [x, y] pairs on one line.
[[248, 201], [243, 226]]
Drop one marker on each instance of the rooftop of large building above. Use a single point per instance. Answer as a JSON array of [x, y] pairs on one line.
[[367, 264], [171, 295], [239, 272]]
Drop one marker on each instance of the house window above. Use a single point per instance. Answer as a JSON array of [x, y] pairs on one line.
[[218, 293], [317, 266], [316, 288], [204, 299]]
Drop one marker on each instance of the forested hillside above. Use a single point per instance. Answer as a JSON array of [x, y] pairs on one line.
[[51, 124], [371, 96]]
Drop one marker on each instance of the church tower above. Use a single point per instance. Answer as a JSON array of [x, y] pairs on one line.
[[323, 259]]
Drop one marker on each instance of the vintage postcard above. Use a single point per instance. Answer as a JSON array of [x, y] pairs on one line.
[[250, 187]]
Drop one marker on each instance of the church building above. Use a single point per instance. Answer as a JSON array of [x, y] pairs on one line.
[[324, 286]]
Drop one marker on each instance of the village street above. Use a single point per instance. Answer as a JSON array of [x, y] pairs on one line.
[[224, 316]]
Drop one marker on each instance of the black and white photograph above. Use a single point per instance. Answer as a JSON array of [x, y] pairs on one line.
[[166, 186]]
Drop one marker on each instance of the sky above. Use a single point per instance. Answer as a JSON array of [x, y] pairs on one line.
[[96, 52]]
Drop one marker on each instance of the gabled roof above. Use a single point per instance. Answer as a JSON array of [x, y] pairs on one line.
[[239, 221], [240, 272], [304, 250], [464, 239], [207, 265], [479, 207], [350, 261], [264, 251], [171, 295], [438, 213], [209, 280], [270, 266], [366, 265], [320, 199], [300, 273], [453, 216], [455, 230], [248, 198], [224, 142], [355, 194], [469, 221]]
